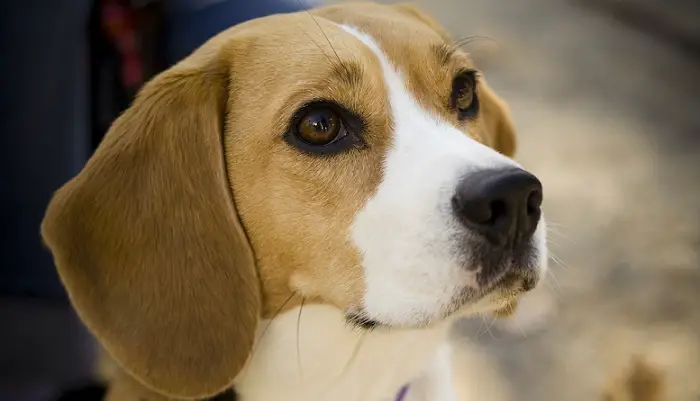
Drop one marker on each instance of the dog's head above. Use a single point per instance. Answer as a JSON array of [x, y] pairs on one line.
[[351, 156]]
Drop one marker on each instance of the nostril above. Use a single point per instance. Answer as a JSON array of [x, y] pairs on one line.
[[497, 210], [534, 202], [502, 205], [483, 213]]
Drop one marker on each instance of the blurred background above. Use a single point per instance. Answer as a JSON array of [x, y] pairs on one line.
[[605, 95]]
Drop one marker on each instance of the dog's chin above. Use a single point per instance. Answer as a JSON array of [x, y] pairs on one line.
[[498, 298], [499, 305], [361, 321], [500, 301]]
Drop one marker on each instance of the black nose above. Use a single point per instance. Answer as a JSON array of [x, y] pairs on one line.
[[502, 205]]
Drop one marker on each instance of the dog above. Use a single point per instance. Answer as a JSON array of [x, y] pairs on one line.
[[298, 210]]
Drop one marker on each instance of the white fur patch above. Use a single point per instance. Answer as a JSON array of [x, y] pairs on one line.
[[437, 382], [406, 232], [314, 355]]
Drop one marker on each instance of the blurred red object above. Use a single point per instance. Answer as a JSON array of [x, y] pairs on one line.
[[119, 21]]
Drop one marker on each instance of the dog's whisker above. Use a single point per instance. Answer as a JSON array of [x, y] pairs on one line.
[[553, 231], [470, 39], [317, 44], [301, 371], [554, 257], [488, 329], [554, 224], [556, 283], [340, 62], [478, 331], [463, 42], [274, 316], [551, 287], [353, 355], [551, 241], [355, 352], [559, 263], [557, 260], [481, 331], [521, 330]]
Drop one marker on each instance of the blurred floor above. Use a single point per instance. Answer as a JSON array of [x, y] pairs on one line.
[[609, 118]]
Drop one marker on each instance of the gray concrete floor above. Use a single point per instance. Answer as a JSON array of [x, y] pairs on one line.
[[609, 118]]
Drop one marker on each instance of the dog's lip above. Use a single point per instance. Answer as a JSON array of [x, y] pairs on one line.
[[509, 286], [362, 321]]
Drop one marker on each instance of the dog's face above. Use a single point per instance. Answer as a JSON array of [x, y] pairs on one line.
[[346, 179], [351, 156]]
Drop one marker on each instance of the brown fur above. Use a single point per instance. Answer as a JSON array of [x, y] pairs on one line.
[[496, 118], [426, 55], [194, 218], [149, 228]]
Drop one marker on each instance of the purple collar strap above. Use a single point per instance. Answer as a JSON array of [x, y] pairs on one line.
[[401, 395]]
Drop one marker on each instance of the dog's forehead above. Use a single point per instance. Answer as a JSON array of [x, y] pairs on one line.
[[310, 39], [311, 54], [393, 28]]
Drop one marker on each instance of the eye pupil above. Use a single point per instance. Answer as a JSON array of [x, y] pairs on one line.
[[464, 99], [321, 123], [319, 126]]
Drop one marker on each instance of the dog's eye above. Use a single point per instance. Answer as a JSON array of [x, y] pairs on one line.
[[320, 126], [464, 98], [324, 128]]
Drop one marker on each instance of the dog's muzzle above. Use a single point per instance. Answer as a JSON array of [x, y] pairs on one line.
[[501, 210]]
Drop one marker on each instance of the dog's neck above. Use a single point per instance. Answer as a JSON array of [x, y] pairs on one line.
[[315, 355]]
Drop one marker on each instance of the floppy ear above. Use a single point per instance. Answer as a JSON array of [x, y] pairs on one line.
[[497, 121], [148, 242]]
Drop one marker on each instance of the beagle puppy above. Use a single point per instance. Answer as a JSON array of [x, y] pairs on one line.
[[298, 210]]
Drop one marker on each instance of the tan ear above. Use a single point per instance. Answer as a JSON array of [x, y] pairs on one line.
[[497, 121], [148, 242]]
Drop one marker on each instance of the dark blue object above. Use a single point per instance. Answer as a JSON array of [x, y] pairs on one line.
[[193, 22]]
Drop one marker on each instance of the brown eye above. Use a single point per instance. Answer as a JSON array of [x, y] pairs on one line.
[[464, 98], [323, 127], [320, 126]]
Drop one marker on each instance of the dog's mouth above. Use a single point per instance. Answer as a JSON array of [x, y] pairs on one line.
[[500, 298], [360, 321], [494, 264]]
